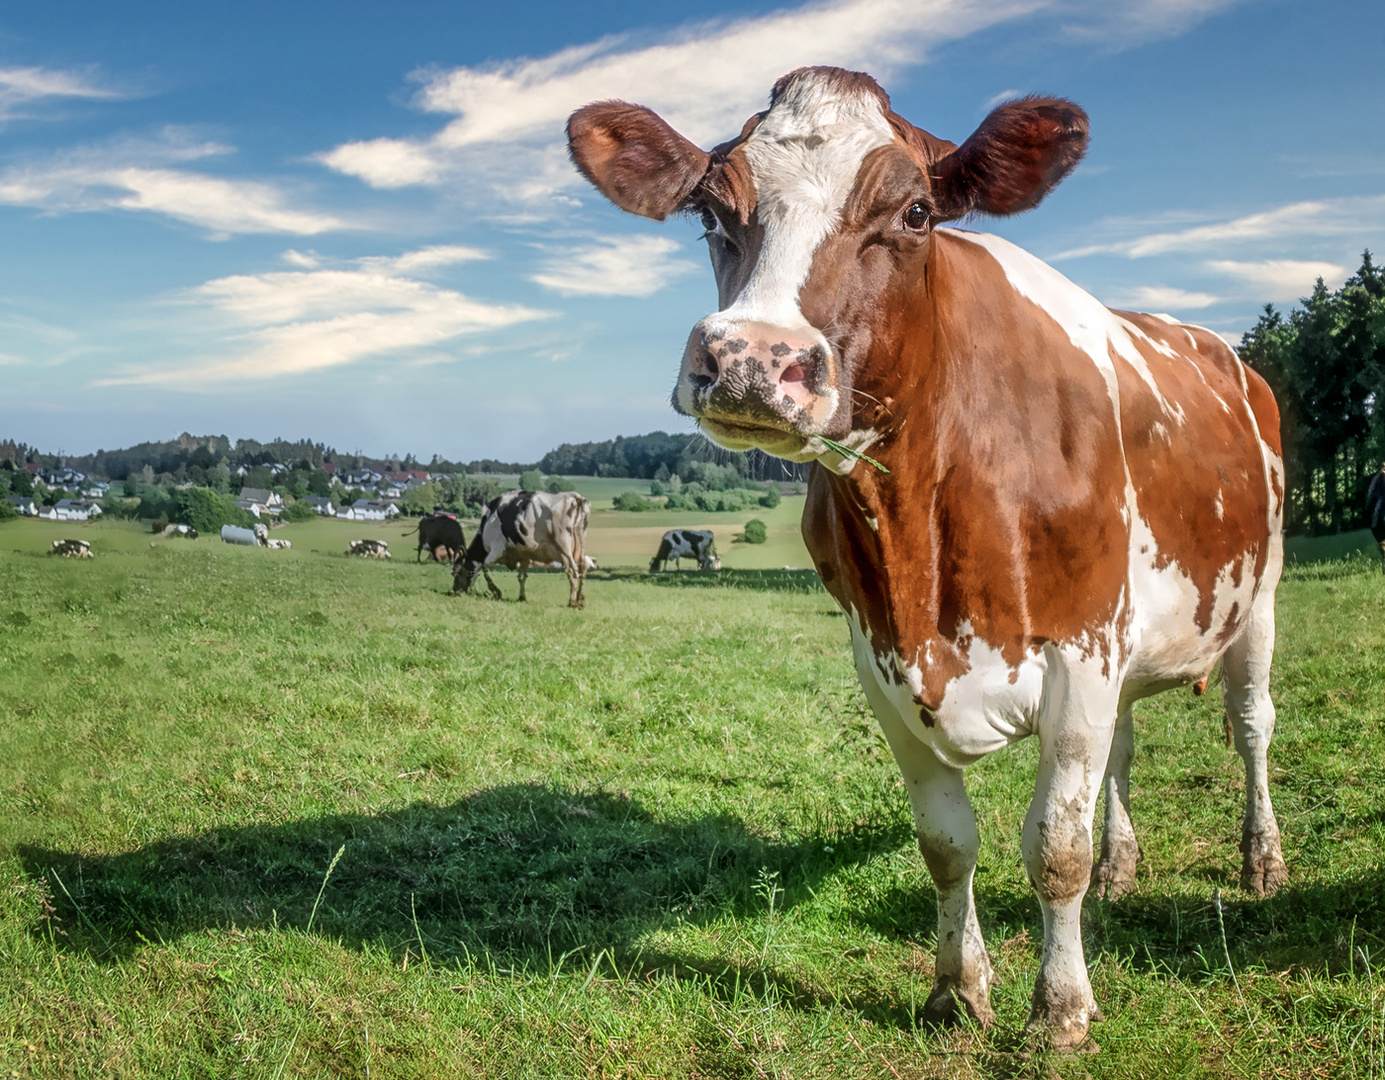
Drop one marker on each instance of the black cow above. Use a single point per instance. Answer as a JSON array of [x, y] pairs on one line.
[[1375, 512], [523, 527], [441, 534], [678, 544]]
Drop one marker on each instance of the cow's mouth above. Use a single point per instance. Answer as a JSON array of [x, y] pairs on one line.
[[775, 441]]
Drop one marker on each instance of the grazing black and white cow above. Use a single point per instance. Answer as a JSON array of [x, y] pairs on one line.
[[686, 544], [523, 527], [1375, 512], [441, 536]]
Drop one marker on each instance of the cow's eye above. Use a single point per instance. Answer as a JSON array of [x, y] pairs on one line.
[[710, 222], [916, 217]]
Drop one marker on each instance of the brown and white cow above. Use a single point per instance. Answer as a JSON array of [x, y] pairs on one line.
[[1082, 506]]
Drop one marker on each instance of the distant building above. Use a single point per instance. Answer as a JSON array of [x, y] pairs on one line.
[[368, 510], [321, 504], [24, 504], [63, 478], [260, 502], [362, 478], [70, 510]]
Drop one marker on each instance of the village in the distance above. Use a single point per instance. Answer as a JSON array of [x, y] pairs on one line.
[[209, 481]]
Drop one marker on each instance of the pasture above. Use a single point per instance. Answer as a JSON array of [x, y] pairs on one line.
[[288, 814]]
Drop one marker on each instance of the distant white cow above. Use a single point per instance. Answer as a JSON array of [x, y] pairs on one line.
[[686, 544], [524, 527], [71, 549], [369, 549]]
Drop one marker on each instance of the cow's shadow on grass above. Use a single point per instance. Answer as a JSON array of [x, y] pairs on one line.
[[514, 875]]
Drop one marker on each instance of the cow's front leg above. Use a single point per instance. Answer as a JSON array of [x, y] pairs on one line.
[[495, 591], [522, 572], [1075, 730], [947, 837], [1114, 875]]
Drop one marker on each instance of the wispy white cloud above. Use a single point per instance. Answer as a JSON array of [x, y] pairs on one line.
[[1160, 298], [1348, 216], [140, 175], [298, 321], [21, 87], [637, 265], [1280, 279], [703, 78]]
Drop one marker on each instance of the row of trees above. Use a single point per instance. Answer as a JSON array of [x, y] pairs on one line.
[[659, 455], [1325, 362]]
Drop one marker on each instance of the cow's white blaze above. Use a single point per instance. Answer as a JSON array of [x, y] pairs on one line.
[[804, 157]]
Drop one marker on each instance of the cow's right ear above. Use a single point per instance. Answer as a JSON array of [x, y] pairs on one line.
[[634, 158]]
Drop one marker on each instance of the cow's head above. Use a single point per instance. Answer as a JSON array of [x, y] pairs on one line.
[[821, 209]]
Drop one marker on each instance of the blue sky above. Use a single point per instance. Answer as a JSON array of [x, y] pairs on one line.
[[356, 222]]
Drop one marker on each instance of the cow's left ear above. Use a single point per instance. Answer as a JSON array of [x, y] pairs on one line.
[[1016, 157]]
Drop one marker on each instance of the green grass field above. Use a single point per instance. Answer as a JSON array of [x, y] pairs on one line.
[[288, 814]]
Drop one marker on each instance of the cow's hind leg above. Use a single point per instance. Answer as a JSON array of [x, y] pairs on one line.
[[1114, 875], [1076, 726], [495, 591], [522, 572], [1250, 714]]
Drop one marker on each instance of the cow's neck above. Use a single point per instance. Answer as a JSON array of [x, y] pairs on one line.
[[875, 537]]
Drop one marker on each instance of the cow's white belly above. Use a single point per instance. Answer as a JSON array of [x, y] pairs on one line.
[[983, 710], [1167, 645]]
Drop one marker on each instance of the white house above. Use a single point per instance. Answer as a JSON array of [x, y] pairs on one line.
[[368, 510], [321, 504], [260, 502], [24, 504], [70, 510]]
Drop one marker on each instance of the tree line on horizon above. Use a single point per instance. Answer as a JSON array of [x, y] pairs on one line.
[[1325, 362]]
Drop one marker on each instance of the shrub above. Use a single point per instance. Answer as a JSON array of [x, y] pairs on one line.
[[206, 511], [8, 511], [531, 480], [655, 487], [678, 502], [297, 511], [770, 499], [632, 500], [556, 484], [755, 531]]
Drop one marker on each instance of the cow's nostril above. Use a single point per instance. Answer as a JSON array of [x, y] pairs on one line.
[[794, 373], [711, 363]]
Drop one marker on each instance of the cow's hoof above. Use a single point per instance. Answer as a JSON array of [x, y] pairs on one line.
[[1114, 874], [949, 1005], [1061, 1020], [1263, 874]]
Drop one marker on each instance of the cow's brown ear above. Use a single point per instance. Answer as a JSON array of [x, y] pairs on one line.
[[1016, 157], [634, 158]]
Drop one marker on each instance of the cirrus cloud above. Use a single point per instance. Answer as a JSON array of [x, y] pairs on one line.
[[637, 265], [294, 322]]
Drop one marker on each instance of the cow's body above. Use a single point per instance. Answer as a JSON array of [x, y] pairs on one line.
[[1065, 508], [1375, 512], [677, 544], [369, 549], [524, 527], [71, 549], [441, 536]]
